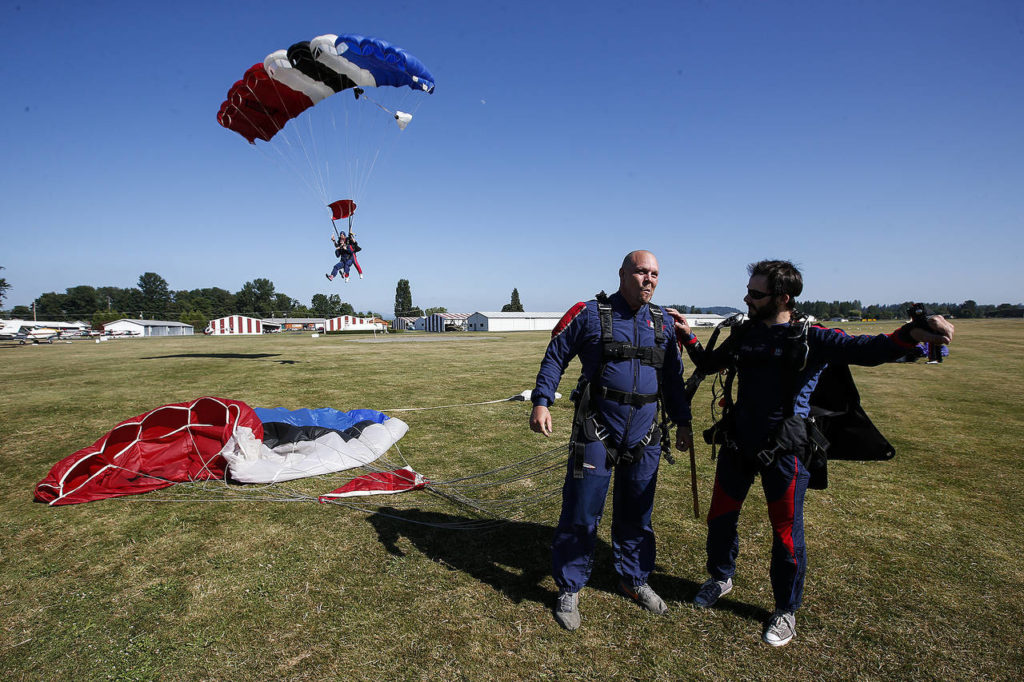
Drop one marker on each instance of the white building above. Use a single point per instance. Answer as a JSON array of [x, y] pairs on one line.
[[346, 323], [234, 325], [444, 322], [704, 319], [147, 328], [512, 322], [404, 323]]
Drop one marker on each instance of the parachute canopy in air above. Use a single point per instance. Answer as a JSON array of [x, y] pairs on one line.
[[290, 81]]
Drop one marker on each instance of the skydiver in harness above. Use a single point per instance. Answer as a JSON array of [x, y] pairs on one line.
[[630, 365], [345, 246], [771, 430]]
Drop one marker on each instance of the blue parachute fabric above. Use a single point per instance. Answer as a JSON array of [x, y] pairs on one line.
[[325, 417], [282, 426], [389, 65]]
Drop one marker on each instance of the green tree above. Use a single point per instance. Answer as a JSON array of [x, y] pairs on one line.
[[101, 317], [284, 304], [50, 306], [438, 309], [194, 318], [4, 286], [82, 301], [21, 311], [403, 299], [116, 298], [513, 306], [256, 297], [327, 306], [155, 296]]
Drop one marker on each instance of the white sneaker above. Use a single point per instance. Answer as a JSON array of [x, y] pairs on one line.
[[567, 610], [645, 597], [781, 628], [710, 592]]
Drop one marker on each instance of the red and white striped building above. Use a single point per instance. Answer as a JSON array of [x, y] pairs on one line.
[[346, 323], [442, 322], [234, 325]]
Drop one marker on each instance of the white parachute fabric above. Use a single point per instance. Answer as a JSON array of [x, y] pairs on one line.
[[303, 443]]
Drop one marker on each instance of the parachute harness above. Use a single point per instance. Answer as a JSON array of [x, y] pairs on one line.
[[585, 423]]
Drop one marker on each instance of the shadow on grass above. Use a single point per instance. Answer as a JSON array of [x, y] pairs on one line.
[[513, 557], [223, 356], [683, 590]]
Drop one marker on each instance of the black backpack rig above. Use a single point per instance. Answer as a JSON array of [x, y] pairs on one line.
[[836, 427]]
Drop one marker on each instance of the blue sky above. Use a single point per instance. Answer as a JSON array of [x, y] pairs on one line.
[[877, 144]]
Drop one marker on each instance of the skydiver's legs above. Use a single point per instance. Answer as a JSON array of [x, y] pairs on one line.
[[355, 262], [732, 482], [633, 546], [572, 549], [785, 484], [343, 264]]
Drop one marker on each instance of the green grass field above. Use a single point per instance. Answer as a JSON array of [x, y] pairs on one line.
[[915, 567]]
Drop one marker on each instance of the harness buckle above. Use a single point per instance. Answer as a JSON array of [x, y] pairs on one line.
[[766, 457]]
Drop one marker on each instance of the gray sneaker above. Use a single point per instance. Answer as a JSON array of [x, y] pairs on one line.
[[710, 592], [645, 597], [781, 628], [567, 610]]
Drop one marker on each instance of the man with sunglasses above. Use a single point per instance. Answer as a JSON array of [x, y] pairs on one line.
[[630, 364], [767, 422]]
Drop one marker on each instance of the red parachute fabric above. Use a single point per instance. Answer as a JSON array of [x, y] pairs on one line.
[[342, 208], [171, 444], [258, 106], [379, 483]]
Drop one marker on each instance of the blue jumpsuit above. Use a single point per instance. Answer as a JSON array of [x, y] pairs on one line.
[[579, 334], [762, 367]]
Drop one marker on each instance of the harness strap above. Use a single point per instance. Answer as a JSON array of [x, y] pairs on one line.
[[624, 398]]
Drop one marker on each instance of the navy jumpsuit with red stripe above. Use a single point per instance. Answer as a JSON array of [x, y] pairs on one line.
[[762, 367]]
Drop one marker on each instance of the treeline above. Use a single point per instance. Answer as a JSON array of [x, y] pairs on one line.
[[153, 299], [854, 310], [825, 310]]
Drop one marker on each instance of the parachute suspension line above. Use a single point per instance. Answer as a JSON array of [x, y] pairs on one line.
[[317, 180], [519, 397], [284, 160], [442, 407]]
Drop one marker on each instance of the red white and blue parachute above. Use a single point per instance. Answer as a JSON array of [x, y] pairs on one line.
[[217, 438], [328, 103]]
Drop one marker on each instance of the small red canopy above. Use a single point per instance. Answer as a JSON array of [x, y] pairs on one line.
[[342, 208]]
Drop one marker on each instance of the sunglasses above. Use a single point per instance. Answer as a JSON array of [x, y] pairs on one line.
[[756, 295]]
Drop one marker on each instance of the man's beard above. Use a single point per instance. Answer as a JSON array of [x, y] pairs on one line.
[[760, 314]]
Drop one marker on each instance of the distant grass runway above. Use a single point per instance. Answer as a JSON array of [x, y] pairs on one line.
[[915, 565]]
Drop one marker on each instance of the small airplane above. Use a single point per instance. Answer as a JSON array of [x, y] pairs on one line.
[[23, 332]]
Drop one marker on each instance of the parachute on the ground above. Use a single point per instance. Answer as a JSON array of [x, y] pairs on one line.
[[217, 438]]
